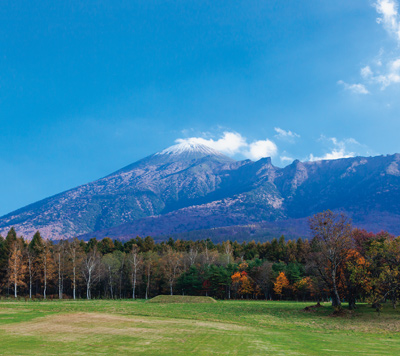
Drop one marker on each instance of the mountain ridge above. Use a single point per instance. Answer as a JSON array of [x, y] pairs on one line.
[[191, 186]]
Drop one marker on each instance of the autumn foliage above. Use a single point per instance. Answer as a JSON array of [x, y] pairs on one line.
[[337, 264], [242, 283], [281, 284]]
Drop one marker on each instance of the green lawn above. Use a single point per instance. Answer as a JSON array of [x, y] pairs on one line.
[[104, 327]]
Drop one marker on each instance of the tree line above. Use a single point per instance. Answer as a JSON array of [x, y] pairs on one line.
[[339, 263]]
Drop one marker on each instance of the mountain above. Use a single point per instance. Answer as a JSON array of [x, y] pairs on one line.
[[191, 187]]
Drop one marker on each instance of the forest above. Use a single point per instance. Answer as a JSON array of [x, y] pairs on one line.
[[338, 264]]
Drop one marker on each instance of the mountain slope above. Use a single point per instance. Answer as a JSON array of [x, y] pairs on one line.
[[148, 187], [191, 187]]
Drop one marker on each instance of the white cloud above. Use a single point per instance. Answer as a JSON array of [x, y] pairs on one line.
[[260, 149], [338, 149], [232, 143], [385, 70], [335, 154], [349, 141], [386, 76], [366, 72], [392, 75], [286, 159], [390, 19], [354, 88], [285, 135], [388, 10]]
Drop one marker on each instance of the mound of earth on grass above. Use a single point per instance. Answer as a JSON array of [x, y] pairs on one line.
[[312, 308], [181, 299], [340, 312]]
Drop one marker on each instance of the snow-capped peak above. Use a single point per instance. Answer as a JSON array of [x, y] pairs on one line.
[[190, 147]]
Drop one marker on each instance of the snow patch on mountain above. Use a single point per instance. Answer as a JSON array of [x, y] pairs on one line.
[[190, 147], [393, 169], [353, 168]]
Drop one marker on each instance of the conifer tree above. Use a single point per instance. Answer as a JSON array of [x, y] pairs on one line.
[[34, 253]]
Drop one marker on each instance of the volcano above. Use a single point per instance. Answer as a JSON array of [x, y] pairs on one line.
[[190, 186]]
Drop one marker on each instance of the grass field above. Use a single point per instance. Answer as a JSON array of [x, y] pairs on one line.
[[181, 299], [104, 327]]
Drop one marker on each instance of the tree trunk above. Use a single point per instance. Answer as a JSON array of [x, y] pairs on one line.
[[120, 281], [394, 300], [30, 276], [59, 277], [352, 304], [45, 279], [87, 290], [110, 282], [88, 286], [351, 299], [15, 278], [148, 284], [335, 295], [134, 284], [74, 281]]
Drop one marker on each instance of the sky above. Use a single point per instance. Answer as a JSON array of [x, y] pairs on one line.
[[89, 87]]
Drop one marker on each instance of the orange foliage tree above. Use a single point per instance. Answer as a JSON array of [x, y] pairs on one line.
[[16, 266], [242, 283], [355, 276], [281, 284]]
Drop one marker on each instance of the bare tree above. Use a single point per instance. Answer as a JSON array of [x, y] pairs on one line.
[[192, 255], [59, 258], [172, 263], [208, 257], [112, 266], [332, 234], [30, 259], [149, 264], [228, 251], [47, 265], [75, 254], [136, 260], [91, 269]]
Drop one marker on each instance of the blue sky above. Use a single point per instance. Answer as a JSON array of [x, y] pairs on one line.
[[88, 88]]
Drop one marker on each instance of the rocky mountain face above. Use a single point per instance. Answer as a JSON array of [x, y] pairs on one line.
[[193, 187]]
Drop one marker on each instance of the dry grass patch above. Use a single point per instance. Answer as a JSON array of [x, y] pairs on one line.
[[12, 311], [72, 327], [69, 327]]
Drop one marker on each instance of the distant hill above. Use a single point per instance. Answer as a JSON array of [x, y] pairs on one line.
[[191, 187]]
